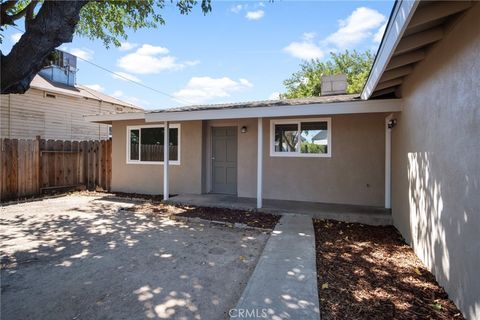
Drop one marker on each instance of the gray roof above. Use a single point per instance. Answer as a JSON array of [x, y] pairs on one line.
[[265, 103], [41, 83]]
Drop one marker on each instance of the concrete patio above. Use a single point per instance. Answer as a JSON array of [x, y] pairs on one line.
[[317, 210]]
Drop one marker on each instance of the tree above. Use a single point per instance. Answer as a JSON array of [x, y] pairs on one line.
[[48, 24], [307, 82]]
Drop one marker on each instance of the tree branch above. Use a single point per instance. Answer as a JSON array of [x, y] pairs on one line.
[[53, 25], [29, 13], [4, 7]]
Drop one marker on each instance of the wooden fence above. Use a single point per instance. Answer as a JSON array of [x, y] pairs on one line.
[[33, 167]]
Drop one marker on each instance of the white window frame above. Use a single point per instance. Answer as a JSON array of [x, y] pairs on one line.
[[171, 126], [297, 153]]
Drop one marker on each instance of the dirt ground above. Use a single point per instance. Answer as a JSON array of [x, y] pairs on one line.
[[367, 272], [86, 257]]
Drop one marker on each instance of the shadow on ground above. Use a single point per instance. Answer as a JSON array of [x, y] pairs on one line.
[[84, 257]]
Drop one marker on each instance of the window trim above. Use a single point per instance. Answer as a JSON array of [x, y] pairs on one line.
[[127, 142], [298, 154]]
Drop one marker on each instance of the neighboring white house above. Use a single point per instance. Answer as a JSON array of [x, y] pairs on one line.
[[54, 106]]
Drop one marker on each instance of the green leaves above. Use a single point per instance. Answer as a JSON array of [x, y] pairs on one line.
[[307, 82]]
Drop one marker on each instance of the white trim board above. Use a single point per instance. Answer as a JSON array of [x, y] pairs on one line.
[[108, 118], [398, 23], [297, 153], [138, 127], [351, 107], [319, 109]]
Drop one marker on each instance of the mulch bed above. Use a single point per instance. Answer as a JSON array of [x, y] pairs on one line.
[[250, 218], [368, 272]]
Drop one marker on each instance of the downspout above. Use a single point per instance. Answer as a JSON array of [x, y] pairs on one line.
[[388, 162]]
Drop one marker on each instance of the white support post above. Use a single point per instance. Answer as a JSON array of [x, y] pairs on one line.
[[388, 163], [166, 154], [259, 163]]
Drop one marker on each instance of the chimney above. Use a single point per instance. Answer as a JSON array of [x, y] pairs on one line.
[[62, 68], [334, 84]]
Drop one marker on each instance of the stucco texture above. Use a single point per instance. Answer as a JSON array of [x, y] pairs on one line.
[[148, 178], [436, 162], [355, 174]]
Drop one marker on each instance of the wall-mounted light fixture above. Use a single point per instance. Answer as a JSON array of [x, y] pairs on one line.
[[243, 129], [392, 123]]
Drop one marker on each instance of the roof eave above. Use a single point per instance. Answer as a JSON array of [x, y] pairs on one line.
[[350, 107], [403, 12], [109, 118]]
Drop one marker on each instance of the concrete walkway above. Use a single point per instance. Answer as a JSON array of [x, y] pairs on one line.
[[317, 210], [284, 283]]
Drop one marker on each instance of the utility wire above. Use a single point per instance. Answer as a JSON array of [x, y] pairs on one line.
[[133, 81], [125, 78]]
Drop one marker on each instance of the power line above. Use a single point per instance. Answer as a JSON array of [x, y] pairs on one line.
[[125, 78], [133, 81]]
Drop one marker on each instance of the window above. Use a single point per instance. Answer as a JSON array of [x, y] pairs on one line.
[[300, 138], [145, 144]]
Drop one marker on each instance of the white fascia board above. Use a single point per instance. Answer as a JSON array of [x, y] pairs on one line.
[[396, 27], [108, 118], [351, 107]]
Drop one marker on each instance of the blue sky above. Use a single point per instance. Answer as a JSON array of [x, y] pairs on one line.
[[241, 51]]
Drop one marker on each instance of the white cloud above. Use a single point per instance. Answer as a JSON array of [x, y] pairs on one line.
[[130, 99], [255, 15], [125, 46], [203, 89], [236, 8], [124, 76], [305, 50], [149, 50], [15, 37], [377, 37], [117, 93], [274, 96], [95, 87], [245, 83], [357, 27], [309, 36], [150, 59], [83, 53], [191, 63]]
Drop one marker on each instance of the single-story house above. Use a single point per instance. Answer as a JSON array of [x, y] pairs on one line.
[[54, 106], [410, 143]]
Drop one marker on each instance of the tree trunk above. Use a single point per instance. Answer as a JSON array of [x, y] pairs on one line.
[[54, 24]]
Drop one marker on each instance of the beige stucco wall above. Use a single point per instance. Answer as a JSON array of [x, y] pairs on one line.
[[355, 174], [148, 178], [436, 163]]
